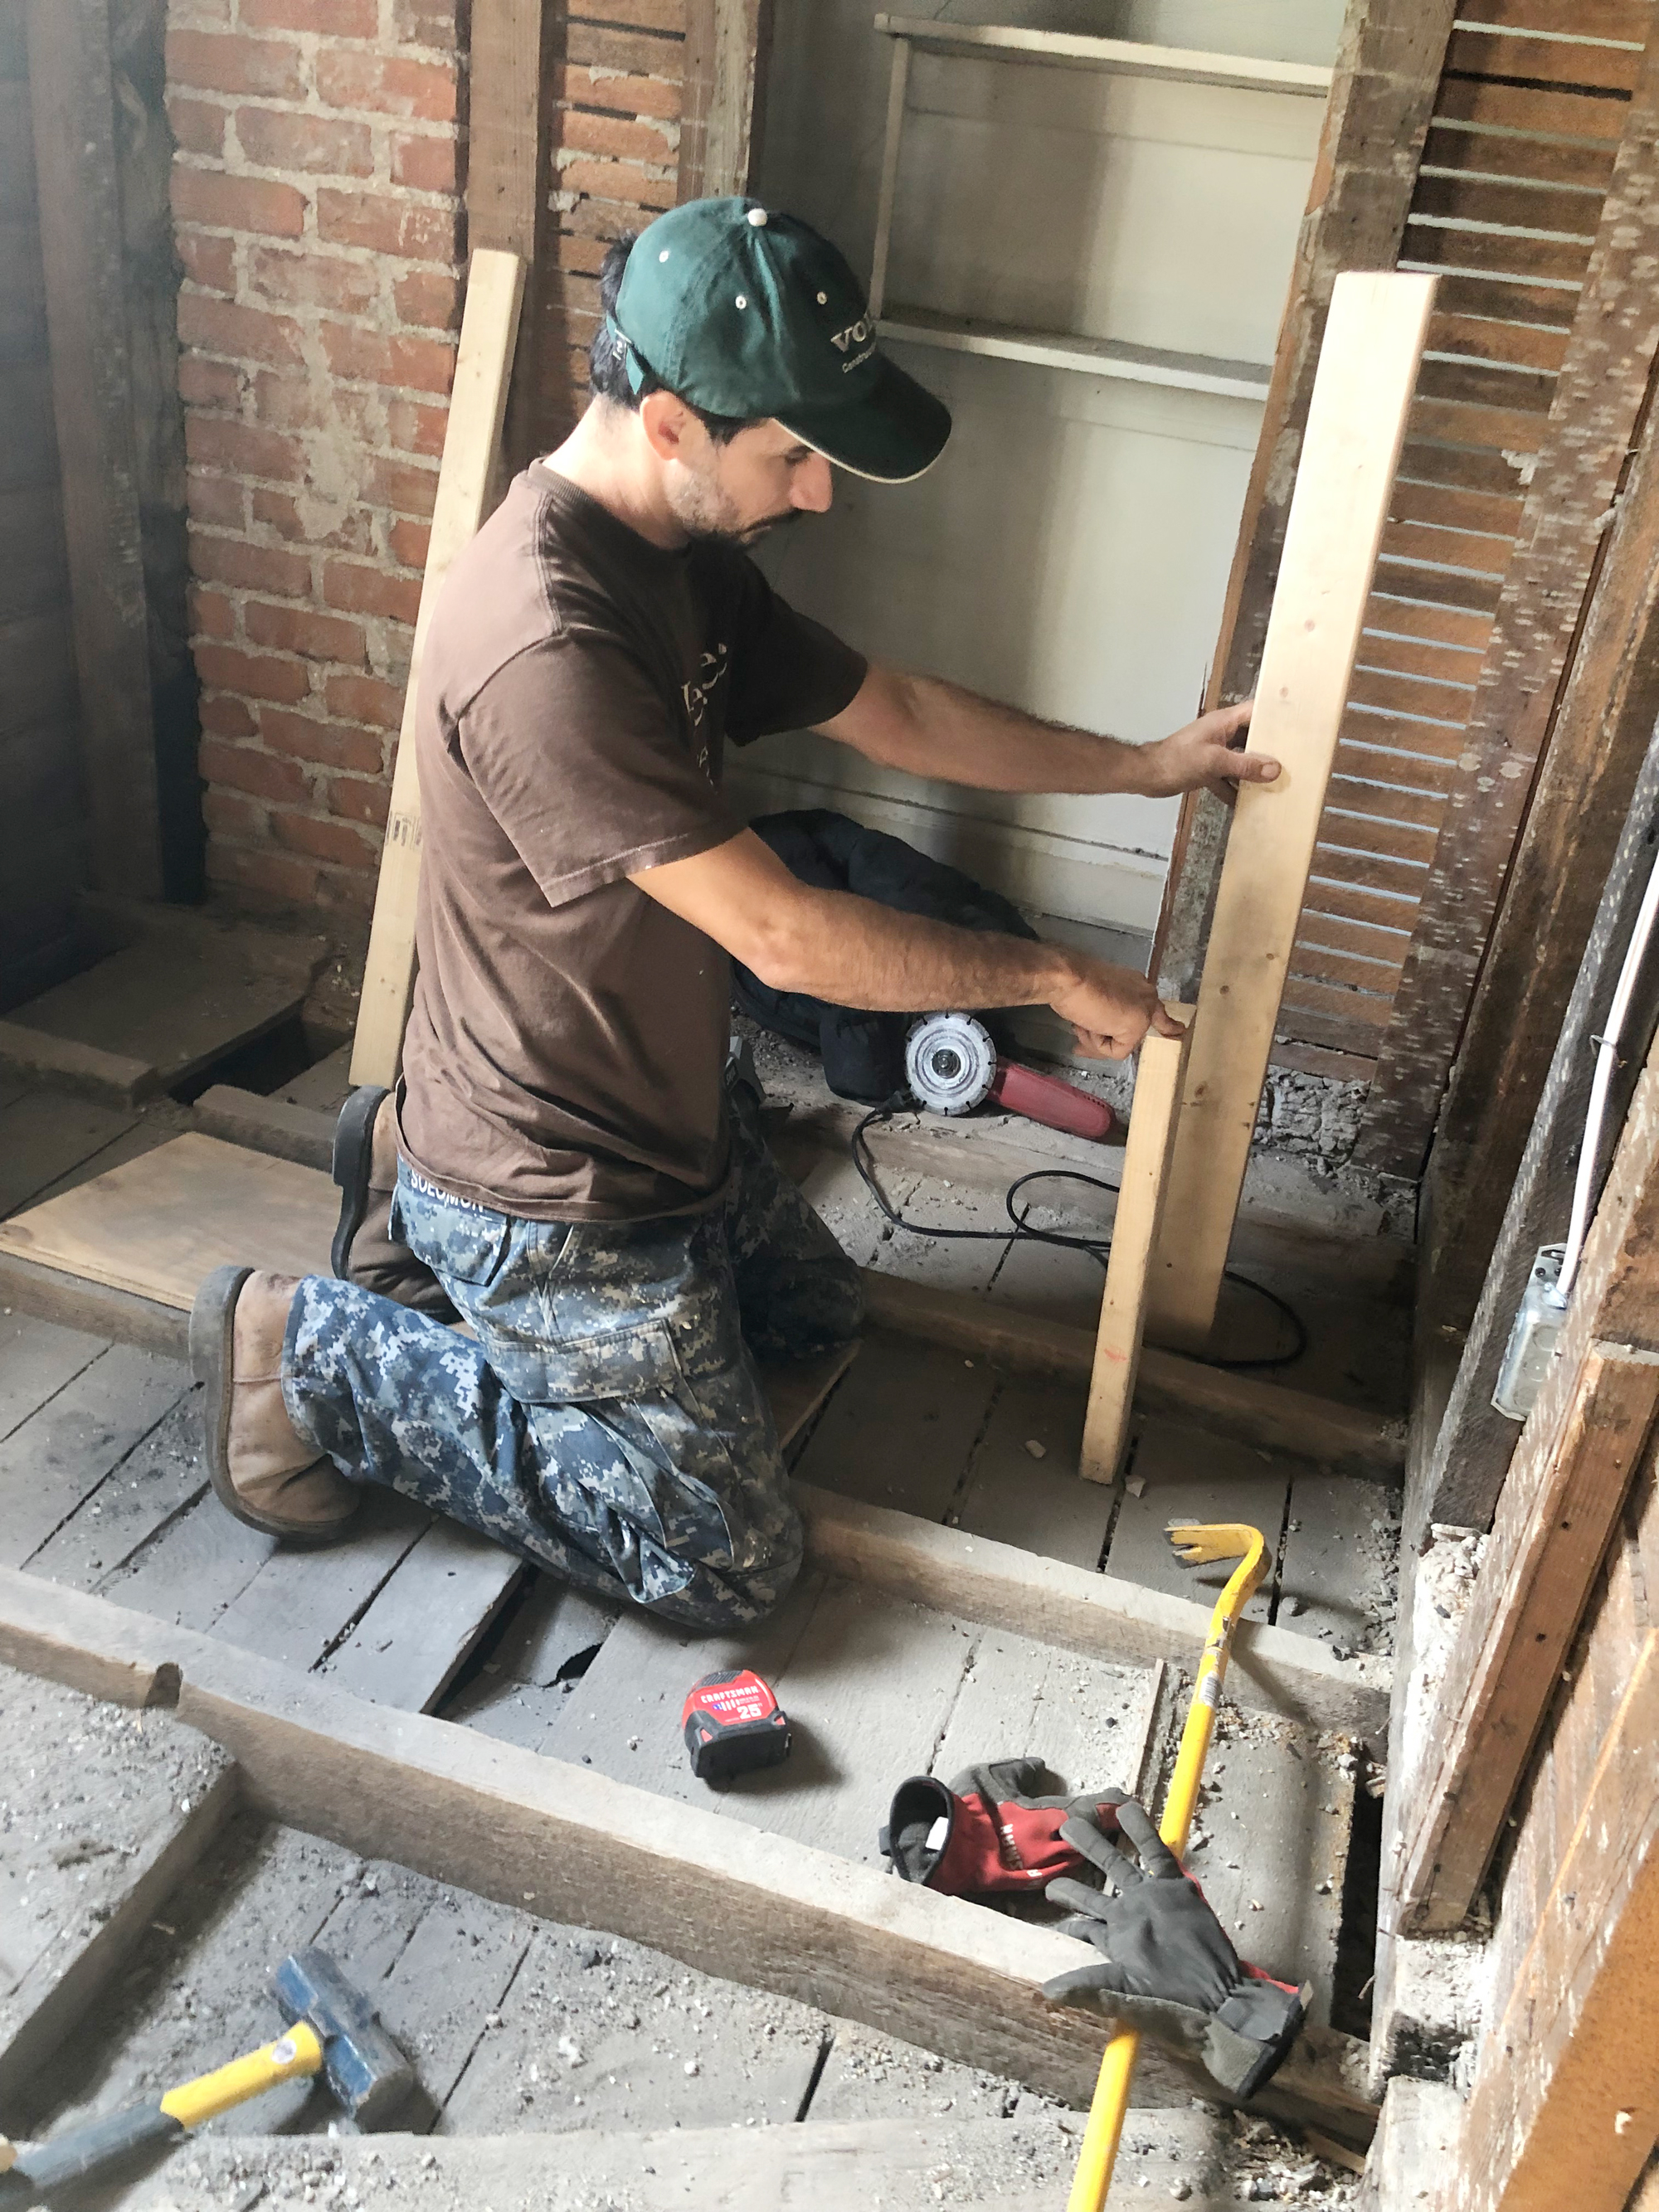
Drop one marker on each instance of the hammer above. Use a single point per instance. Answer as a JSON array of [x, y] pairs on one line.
[[332, 2030]]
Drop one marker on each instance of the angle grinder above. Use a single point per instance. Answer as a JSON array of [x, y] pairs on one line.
[[951, 1065]]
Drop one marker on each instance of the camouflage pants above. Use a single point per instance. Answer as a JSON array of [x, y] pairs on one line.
[[609, 1423]]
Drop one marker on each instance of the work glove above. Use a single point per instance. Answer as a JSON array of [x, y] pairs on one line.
[[1166, 1965], [986, 1831]]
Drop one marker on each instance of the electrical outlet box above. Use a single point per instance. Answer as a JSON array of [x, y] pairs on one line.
[[1533, 1339]]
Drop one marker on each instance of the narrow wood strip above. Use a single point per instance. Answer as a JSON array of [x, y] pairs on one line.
[[1505, 254], [1400, 614], [1335, 933], [1350, 795], [1478, 384], [1410, 695], [1527, 207], [1315, 964], [1504, 299], [1431, 741], [1376, 836], [1486, 337], [1475, 595], [1550, 61], [1630, 19], [1369, 871], [1354, 902], [1322, 1059], [1142, 1181], [1508, 153], [1410, 656], [1306, 1026], [1522, 108], [1361, 1008], [1382, 764]]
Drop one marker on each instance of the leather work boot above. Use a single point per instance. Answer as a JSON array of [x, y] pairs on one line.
[[259, 1466], [364, 1250]]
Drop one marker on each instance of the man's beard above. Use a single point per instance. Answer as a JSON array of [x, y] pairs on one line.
[[708, 516]]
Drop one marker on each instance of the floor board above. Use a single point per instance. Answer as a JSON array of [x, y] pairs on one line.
[[1191, 1474]]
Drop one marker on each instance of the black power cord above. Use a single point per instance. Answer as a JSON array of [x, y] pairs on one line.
[[1020, 1226]]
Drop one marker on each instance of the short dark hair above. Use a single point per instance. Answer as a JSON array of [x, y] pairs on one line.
[[607, 356]]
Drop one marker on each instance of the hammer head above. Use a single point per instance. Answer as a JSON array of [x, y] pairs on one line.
[[364, 2068]]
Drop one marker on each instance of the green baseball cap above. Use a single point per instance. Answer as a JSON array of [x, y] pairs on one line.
[[745, 312]]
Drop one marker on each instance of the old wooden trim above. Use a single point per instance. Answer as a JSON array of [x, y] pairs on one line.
[[1367, 365], [726, 45], [1584, 791], [1376, 119], [1578, 1456], [508, 168], [1599, 393], [72, 97], [466, 1809]]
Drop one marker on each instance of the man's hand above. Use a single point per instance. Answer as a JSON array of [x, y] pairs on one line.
[[1111, 1009], [1208, 754]]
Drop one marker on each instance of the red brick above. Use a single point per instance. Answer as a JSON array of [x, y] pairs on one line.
[[209, 262], [288, 403], [224, 715], [325, 744], [366, 357], [249, 568], [360, 589], [347, 848], [238, 333], [586, 255], [198, 126], [278, 511], [335, 19], [429, 299], [274, 876], [398, 485], [298, 630], [211, 614], [214, 499], [622, 93], [230, 815], [317, 145], [409, 542], [208, 383], [359, 800], [434, 162], [614, 135], [314, 280], [624, 183], [245, 769], [238, 446], [365, 699], [388, 226], [387, 84], [211, 13], [259, 675], [221, 202], [414, 426], [428, 22], [208, 61]]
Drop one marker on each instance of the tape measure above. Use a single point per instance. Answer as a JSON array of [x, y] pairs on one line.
[[733, 1722]]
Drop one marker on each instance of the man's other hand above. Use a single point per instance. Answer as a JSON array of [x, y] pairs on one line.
[[1208, 754], [1111, 1009]]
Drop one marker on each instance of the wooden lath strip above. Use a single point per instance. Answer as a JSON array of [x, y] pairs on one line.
[[1625, 20], [1537, 57], [1454, 148]]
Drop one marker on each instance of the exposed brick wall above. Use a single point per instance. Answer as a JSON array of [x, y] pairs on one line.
[[317, 193]]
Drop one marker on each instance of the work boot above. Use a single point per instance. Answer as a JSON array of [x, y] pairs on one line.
[[364, 1250], [259, 1465]]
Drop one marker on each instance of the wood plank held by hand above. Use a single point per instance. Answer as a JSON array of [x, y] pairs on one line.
[[1146, 1156], [1558, 1512], [478, 404], [1356, 423]]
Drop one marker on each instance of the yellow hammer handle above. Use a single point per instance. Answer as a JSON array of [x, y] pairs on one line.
[[1111, 2099], [298, 2053]]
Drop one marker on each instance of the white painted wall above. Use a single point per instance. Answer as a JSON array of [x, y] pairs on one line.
[[1070, 552]]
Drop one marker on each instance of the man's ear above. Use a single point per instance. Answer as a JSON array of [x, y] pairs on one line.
[[665, 420]]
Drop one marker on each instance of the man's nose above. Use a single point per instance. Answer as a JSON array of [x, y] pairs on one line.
[[811, 488]]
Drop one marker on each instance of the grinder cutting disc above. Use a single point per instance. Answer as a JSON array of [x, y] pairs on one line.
[[949, 1062]]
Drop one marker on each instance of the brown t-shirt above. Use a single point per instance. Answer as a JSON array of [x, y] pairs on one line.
[[578, 685]]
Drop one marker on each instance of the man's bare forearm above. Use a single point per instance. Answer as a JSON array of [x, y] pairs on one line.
[[852, 952], [936, 728]]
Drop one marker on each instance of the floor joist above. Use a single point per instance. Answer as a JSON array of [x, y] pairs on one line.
[[522, 1828]]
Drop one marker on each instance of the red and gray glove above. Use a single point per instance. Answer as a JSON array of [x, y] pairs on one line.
[[1166, 1965], [986, 1831]]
